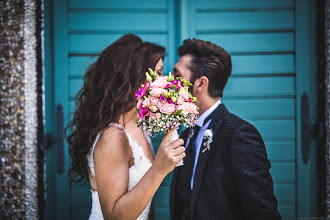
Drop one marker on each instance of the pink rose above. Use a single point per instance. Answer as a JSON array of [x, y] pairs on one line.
[[139, 104], [180, 100], [168, 108], [156, 92], [152, 116], [191, 108], [159, 105], [187, 108], [155, 116], [182, 107], [154, 108], [143, 112], [154, 100], [184, 94], [160, 82], [146, 102]]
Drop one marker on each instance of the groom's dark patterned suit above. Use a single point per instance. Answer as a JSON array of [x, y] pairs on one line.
[[232, 179]]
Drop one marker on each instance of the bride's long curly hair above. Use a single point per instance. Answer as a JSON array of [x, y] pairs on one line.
[[108, 92]]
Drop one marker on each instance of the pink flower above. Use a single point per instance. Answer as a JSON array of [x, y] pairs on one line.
[[146, 102], [157, 92], [139, 104], [155, 116], [142, 91], [187, 108], [154, 108], [191, 107], [168, 108], [169, 84], [180, 100], [152, 116], [158, 115], [160, 82], [159, 105], [154, 100], [184, 94], [190, 100], [143, 112]]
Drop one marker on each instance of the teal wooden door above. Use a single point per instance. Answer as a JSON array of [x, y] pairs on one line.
[[267, 40], [81, 30]]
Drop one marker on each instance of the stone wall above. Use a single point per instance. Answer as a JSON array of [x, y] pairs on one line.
[[20, 110]]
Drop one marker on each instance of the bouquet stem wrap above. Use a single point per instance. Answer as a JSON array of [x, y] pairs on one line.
[[175, 136]]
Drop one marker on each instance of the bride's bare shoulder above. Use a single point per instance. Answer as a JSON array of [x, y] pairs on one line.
[[113, 139]]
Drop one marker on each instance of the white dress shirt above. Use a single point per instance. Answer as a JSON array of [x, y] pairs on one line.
[[200, 136]]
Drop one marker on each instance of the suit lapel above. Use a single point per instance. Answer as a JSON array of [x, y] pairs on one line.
[[216, 118]]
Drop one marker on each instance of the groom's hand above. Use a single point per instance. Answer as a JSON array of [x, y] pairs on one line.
[[169, 153]]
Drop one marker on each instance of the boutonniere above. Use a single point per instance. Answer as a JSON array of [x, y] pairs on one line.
[[208, 136]]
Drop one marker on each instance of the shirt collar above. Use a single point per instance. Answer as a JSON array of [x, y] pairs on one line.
[[202, 118]]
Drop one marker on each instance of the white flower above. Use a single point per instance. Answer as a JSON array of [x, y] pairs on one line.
[[208, 135]]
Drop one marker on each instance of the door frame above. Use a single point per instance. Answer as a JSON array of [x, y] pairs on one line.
[[306, 81], [56, 87]]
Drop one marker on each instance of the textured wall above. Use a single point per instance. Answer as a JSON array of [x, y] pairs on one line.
[[327, 91], [19, 109], [324, 105]]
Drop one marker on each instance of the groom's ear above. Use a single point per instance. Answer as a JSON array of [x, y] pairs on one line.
[[202, 84]]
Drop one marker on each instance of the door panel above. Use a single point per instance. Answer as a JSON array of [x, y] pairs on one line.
[[240, 42], [239, 4]]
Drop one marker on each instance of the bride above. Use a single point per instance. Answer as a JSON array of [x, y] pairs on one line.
[[106, 146]]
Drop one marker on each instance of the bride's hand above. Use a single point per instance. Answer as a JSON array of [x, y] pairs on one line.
[[169, 153]]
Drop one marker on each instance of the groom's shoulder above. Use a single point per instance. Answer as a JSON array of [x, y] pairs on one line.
[[231, 123]]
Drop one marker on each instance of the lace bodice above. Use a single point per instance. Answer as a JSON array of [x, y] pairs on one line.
[[136, 172]]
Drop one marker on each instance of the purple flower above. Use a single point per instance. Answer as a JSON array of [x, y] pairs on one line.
[[163, 98], [142, 91], [178, 83], [143, 112], [170, 101]]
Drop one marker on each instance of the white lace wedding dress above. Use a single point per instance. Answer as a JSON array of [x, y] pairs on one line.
[[136, 172]]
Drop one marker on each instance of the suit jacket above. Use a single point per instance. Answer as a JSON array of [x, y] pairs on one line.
[[232, 179]]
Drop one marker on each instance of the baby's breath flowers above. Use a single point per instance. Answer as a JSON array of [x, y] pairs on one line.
[[165, 103]]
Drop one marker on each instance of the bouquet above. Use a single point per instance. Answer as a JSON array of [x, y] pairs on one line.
[[165, 103]]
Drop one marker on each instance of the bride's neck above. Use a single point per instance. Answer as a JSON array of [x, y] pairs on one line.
[[128, 117]]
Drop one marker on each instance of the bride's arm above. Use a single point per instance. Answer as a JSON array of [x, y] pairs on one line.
[[111, 156]]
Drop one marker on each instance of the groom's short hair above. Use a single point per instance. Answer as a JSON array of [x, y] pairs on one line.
[[208, 60]]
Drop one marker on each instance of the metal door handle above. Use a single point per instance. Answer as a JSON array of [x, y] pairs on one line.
[[58, 139], [307, 128]]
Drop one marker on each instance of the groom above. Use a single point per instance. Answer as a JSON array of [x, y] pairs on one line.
[[226, 172]]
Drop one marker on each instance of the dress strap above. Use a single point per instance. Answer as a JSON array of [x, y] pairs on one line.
[[117, 125]]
